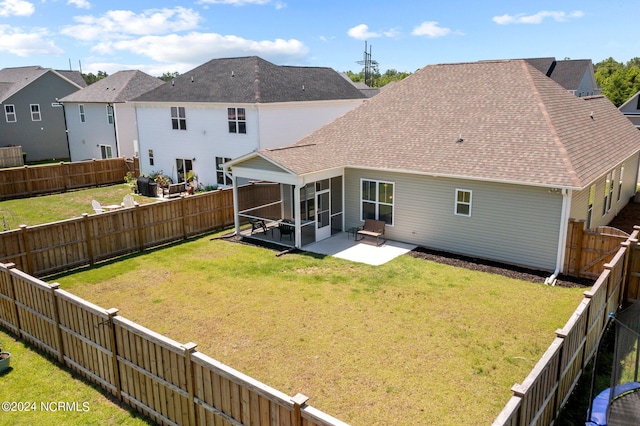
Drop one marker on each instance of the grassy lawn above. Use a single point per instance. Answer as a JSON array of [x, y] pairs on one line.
[[409, 342], [52, 208], [38, 384]]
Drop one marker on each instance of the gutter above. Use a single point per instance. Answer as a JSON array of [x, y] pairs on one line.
[[562, 237]]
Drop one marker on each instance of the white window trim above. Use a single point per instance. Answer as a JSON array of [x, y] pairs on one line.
[[83, 118], [106, 148], [110, 114], [377, 202], [456, 203], [237, 120], [39, 113], [13, 113], [180, 120]]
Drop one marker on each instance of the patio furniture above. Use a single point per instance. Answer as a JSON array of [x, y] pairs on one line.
[[174, 189], [286, 228], [147, 186], [258, 224], [97, 207], [372, 228], [128, 201]]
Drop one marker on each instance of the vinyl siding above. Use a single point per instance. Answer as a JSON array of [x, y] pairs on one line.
[[509, 223]]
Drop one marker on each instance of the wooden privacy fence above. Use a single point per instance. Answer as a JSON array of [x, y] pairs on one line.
[[171, 383], [589, 250], [538, 399], [11, 157], [28, 181], [54, 247]]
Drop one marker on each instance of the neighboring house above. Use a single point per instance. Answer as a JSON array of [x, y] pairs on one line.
[[32, 116], [575, 75], [631, 109], [230, 107], [488, 159], [100, 121]]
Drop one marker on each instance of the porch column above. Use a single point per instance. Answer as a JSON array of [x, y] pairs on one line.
[[236, 218], [296, 213]]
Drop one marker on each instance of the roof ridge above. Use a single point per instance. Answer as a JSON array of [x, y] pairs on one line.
[[547, 117]]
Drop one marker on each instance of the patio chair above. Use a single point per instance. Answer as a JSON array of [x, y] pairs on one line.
[[128, 201], [286, 228], [97, 207], [258, 224]]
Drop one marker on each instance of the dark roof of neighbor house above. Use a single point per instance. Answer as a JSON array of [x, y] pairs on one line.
[[12, 80], [500, 121], [567, 73], [253, 80], [119, 87]]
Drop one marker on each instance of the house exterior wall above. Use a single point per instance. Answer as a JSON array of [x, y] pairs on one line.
[[126, 129], [514, 224], [44, 139], [85, 138], [283, 124], [207, 135], [588, 85], [621, 195]]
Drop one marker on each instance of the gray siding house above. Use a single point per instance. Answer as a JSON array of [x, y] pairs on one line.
[[575, 75], [488, 159], [631, 109], [100, 121], [31, 114]]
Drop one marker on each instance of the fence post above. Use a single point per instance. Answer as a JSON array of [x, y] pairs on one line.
[[56, 315], [12, 295], [27, 179], [189, 348], [183, 212], [298, 401], [64, 175], [89, 237], [137, 224], [579, 242], [114, 352], [27, 249], [93, 172]]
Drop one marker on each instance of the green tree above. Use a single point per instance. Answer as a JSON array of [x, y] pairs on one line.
[[168, 76], [92, 78], [618, 81], [379, 80]]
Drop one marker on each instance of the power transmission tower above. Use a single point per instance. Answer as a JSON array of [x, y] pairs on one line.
[[370, 66]]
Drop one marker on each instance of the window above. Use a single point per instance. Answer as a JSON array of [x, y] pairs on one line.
[[620, 177], [183, 166], [10, 113], [178, 118], [222, 178], [35, 112], [608, 193], [151, 157], [237, 120], [592, 195], [105, 151], [110, 114], [81, 109], [377, 200], [463, 202]]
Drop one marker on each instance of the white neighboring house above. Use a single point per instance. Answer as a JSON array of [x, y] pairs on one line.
[[100, 122], [229, 107]]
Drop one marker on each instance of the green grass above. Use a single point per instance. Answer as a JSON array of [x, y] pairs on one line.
[[38, 384], [408, 342], [52, 208]]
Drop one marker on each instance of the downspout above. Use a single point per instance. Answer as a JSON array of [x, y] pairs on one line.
[[562, 237], [66, 129], [115, 130], [236, 218]]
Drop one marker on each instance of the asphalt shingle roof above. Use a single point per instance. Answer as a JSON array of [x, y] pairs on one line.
[[253, 80], [12, 80], [119, 87], [516, 125]]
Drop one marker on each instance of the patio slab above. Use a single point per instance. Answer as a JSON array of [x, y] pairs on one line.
[[343, 246]]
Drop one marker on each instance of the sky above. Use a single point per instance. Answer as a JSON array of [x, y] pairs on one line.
[[163, 36]]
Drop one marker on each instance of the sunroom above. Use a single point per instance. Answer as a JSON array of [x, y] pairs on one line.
[[282, 207]]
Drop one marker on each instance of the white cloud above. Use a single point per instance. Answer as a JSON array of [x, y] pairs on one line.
[[430, 29], [361, 32], [196, 48], [277, 4], [80, 4], [16, 8], [118, 24], [23, 44], [537, 18]]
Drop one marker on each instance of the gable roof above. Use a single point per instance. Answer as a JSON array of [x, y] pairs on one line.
[[253, 80], [119, 87], [516, 126], [567, 73], [12, 80]]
